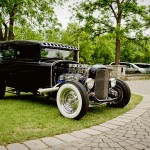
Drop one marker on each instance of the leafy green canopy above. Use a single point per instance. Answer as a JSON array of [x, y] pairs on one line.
[[38, 14]]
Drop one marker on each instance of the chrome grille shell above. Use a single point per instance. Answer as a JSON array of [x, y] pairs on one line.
[[101, 83]]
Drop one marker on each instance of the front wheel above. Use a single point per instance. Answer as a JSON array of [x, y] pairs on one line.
[[72, 100], [123, 94]]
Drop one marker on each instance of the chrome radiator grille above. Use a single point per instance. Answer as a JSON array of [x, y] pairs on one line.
[[101, 83]]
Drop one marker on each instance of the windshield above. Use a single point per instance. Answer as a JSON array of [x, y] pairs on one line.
[[56, 54]]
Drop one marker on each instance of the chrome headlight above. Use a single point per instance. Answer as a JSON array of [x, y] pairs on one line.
[[90, 83], [112, 82]]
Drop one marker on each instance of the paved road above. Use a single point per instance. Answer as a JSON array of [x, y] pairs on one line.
[[130, 131]]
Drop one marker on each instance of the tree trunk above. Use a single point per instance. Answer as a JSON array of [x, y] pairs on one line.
[[118, 32], [117, 56], [3, 32], [11, 26]]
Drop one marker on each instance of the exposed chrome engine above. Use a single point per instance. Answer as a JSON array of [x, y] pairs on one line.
[[78, 68], [71, 77], [94, 78]]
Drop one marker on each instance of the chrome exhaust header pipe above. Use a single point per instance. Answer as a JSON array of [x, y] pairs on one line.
[[47, 90]]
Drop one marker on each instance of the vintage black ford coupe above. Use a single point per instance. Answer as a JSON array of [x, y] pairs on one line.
[[44, 68]]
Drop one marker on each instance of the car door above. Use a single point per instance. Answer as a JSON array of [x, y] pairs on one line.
[[131, 69], [31, 74]]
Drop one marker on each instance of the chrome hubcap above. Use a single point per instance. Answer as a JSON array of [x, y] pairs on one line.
[[69, 101]]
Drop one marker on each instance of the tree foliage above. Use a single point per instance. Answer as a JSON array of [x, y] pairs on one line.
[[104, 49], [122, 18], [136, 51], [92, 50], [38, 14], [74, 35], [26, 33], [101, 49]]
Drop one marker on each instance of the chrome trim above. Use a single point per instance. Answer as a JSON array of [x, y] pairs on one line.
[[47, 90]]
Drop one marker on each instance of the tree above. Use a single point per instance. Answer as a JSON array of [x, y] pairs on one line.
[[38, 14], [26, 33], [103, 49], [135, 51], [74, 35], [123, 18]]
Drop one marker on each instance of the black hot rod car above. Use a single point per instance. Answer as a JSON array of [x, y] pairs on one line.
[[44, 68]]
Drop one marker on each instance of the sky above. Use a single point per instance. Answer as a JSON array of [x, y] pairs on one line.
[[64, 15]]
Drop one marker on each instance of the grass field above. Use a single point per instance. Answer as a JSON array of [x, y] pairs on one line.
[[27, 117]]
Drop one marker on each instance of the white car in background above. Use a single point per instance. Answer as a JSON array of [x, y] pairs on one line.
[[131, 68]]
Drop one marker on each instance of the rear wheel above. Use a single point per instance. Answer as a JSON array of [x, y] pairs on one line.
[[123, 93], [72, 100], [2, 89]]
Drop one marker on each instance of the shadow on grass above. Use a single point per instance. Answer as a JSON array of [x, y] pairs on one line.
[[28, 97]]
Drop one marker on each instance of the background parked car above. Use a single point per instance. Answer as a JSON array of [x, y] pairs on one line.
[[131, 68], [144, 66]]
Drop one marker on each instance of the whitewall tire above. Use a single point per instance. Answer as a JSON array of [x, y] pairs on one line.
[[72, 100]]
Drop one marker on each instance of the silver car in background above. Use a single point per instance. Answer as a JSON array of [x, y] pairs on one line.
[[131, 68]]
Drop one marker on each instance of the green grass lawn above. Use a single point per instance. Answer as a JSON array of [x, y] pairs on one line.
[[27, 117]]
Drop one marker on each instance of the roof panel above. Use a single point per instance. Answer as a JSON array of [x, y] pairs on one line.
[[42, 44]]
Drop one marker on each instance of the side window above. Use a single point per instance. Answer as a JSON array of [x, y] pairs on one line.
[[128, 66], [26, 54], [131, 66], [7, 53]]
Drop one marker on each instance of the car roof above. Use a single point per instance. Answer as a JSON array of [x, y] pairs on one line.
[[38, 43], [121, 63]]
